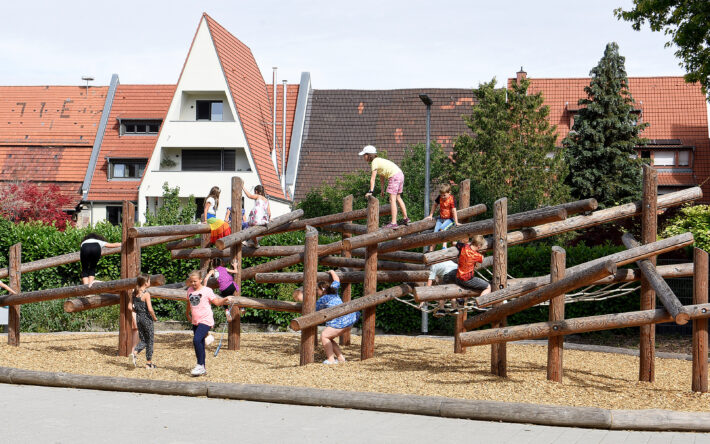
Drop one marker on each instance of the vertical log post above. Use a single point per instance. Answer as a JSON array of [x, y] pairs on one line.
[[649, 223], [464, 202], [557, 313], [700, 326], [235, 327], [367, 346], [13, 311], [310, 273], [128, 251], [500, 277], [347, 288]]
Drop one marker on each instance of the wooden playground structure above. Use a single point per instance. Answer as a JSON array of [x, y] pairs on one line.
[[384, 255]]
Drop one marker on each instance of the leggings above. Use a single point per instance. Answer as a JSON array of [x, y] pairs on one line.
[[198, 341], [89, 256], [145, 333]]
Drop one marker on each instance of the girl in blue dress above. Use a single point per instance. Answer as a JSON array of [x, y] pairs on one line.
[[328, 297]]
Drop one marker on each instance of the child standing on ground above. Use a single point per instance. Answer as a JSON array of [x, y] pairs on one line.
[[227, 286], [447, 211], [89, 255], [141, 306], [199, 312], [218, 227], [468, 258], [386, 170]]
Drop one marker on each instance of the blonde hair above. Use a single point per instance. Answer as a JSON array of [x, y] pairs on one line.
[[444, 188], [479, 241], [214, 193], [194, 273]]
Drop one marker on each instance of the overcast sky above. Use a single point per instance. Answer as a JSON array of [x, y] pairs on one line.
[[361, 44]]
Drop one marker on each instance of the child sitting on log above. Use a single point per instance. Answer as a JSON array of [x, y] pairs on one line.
[[218, 227], [328, 297], [442, 273], [260, 213], [199, 312], [144, 317], [468, 258], [447, 211], [227, 286]]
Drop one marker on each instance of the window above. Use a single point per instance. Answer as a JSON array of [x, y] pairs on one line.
[[208, 160], [114, 215], [683, 158], [132, 127], [664, 158], [199, 207], [126, 168], [645, 154], [210, 110]]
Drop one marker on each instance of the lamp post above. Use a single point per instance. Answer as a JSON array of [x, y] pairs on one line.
[[427, 101]]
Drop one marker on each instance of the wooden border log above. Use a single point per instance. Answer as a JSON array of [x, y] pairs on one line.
[[234, 328], [346, 294], [372, 300], [649, 227], [310, 270], [367, 343], [257, 230], [663, 291], [555, 344], [345, 277], [578, 325], [499, 353], [328, 219], [621, 258], [700, 326], [185, 243], [385, 234], [577, 222], [90, 302], [584, 276], [348, 262], [464, 201], [13, 313], [482, 227], [168, 230], [76, 290]]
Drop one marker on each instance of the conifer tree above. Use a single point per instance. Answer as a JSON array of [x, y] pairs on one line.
[[600, 148]]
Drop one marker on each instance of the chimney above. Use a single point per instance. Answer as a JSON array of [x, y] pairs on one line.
[[520, 75]]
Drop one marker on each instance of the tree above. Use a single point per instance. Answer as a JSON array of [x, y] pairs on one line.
[[688, 24], [172, 211], [512, 151], [601, 147], [27, 201], [695, 219]]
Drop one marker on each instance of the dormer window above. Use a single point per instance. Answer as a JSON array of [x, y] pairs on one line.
[[126, 168], [139, 127], [211, 110]]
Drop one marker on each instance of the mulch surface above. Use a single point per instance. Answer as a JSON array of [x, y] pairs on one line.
[[402, 364]]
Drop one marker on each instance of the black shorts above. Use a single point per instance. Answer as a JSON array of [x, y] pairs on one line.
[[229, 291], [475, 284], [449, 278], [89, 254]]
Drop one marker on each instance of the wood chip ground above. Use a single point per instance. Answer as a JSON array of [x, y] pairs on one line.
[[402, 364]]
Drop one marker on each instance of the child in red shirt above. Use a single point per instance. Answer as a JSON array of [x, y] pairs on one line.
[[468, 258], [447, 211]]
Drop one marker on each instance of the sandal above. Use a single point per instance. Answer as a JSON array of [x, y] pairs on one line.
[[391, 226]]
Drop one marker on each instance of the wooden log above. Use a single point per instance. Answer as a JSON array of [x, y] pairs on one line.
[[74, 291], [346, 294], [555, 344], [234, 328], [591, 272], [345, 277], [464, 202], [649, 227], [76, 305], [348, 262], [261, 251], [268, 304], [499, 358], [621, 258], [362, 303], [13, 313], [367, 344], [185, 243], [329, 219], [663, 291], [174, 294], [384, 234], [257, 230], [128, 247], [346, 228], [411, 257], [578, 325], [168, 230], [700, 326], [526, 219], [578, 222], [310, 270]]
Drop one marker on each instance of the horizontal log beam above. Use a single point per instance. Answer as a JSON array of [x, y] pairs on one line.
[[411, 257], [76, 305], [348, 277], [591, 272], [77, 290], [577, 325], [185, 243], [257, 230], [261, 251], [268, 304], [327, 314], [168, 230], [347, 262], [345, 227]]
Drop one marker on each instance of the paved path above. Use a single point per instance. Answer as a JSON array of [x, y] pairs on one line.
[[59, 415]]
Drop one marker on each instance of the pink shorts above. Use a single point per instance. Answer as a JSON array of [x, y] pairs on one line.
[[396, 184]]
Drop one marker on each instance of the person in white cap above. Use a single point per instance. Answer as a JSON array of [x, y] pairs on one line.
[[386, 170]]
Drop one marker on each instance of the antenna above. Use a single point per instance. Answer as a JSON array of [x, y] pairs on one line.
[[87, 79]]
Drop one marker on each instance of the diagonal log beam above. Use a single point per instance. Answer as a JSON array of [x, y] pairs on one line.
[[257, 230]]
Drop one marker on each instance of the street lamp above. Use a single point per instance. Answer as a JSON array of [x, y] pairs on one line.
[[427, 101]]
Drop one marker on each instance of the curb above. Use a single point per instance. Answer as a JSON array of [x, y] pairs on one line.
[[586, 417]]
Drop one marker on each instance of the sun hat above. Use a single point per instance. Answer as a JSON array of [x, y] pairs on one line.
[[369, 149]]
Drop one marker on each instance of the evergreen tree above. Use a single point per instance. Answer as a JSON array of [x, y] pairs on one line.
[[512, 151], [600, 148]]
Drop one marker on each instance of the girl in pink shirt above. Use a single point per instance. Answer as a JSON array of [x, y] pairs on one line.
[[199, 312]]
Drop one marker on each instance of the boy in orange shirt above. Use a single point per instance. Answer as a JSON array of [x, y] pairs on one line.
[[468, 258], [447, 211]]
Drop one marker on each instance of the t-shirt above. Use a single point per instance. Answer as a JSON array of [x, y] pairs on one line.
[[212, 209], [224, 278], [468, 258], [384, 167], [200, 307], [441, 269], [446, 206], [333, 300], [94, 241]]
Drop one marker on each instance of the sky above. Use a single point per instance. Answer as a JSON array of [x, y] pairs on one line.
[[363, 44]]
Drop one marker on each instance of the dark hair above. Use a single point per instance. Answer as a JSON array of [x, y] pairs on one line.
[[326, 288], [141, 280], [217, 262], [259, 190], [94, 236], [214, 193]]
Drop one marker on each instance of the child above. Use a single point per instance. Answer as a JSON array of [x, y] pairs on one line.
[[199, 313], [142, 308], [468, 258], [89, 255], [328, 297], [447, 209], [218, 227], [386, 170], [260, 214], [227, 286], [444, 273]]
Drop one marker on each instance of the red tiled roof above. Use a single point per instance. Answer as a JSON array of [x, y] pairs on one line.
[[291, 98], [250, 97], [677, 179], [130, 102]]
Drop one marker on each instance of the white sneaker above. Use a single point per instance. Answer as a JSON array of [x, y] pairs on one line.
[[209, 339], [199, 370]]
